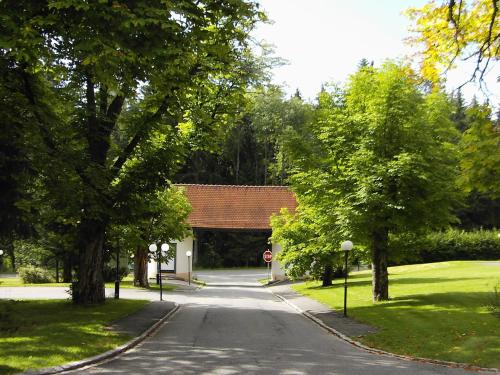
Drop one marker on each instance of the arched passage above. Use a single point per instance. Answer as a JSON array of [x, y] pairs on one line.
[[217, 208]]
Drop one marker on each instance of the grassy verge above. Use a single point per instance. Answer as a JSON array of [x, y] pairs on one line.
[[36, 334], [152, 286], [437, 310], [126, 283], [198, 282]]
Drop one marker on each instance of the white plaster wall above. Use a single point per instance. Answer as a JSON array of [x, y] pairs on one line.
[[277, 272], [181, 265], [182, 260], [152, 269]]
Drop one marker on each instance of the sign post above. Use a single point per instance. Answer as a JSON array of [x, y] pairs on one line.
[[268, 258]]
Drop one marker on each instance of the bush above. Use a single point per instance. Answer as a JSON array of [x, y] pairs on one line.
[[109, 273], [494, 301], [29, 253], [35, 275], [452, 244]]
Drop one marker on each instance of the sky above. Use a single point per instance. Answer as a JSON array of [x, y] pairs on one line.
[[324, 40]]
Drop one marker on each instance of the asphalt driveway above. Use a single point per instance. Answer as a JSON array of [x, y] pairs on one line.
[[235, 326]]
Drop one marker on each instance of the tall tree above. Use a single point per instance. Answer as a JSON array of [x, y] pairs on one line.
[[251, 151], [383, 161], [141, 68], [158, 217]]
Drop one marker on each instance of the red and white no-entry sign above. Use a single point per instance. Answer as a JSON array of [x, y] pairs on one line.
[[268, 256]]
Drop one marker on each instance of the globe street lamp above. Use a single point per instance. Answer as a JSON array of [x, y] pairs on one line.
[[1, 253], [188, 254], [153, 249], [346, 246]]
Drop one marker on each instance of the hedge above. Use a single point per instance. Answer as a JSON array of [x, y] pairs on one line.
[[452, 244]]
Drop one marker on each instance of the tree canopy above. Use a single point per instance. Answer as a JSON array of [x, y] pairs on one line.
[[113, 92], [383, 161], [456, 30]]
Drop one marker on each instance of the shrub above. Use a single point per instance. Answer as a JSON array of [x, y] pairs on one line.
[[452, 244], [109, 273], [35, 275], [494, 301], [29, 253]]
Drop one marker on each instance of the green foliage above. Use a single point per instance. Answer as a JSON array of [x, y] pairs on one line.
[[452, 244], [221, 249], [104, 91], [109, 273], [29, 253], [35, 275], [381, 160], [448, 31], [151, 218], [306, 248], [252, 149], [480, 146]]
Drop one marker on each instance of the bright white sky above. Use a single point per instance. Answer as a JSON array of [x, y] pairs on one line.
[[324, 40]]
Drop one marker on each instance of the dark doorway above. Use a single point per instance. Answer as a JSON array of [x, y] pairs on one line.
[[227, 249]]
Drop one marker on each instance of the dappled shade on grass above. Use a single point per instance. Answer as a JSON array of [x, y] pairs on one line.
[[436, 310], [35, 334]]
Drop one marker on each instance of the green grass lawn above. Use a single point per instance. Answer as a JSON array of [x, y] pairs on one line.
[[126, 283], [36, 334], [437, 310]]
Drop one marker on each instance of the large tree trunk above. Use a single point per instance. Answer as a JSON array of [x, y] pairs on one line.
[[67, 269], [89, 289], [141, 267], [327, 275], [380, 276]]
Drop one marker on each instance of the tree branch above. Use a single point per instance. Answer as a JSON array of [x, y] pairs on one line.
[[129, 149]]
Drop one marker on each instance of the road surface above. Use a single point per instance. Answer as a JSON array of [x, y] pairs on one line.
[[234, 326]]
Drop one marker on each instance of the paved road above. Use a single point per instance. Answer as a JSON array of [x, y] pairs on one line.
[[234, 326], [233, 277]]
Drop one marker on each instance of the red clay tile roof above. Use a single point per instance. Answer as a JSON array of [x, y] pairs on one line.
[[236, 207]]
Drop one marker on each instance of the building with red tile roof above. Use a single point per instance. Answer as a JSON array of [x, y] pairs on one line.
[[236, 206]]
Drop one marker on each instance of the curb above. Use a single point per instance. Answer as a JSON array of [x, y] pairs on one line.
[[340, 335], [106, 355]]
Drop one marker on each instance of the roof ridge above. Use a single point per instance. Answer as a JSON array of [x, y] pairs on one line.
[[234, 186]]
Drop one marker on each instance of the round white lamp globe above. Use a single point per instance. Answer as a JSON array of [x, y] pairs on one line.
[[188, 253], [164, 247], [347, 245], [153, 247]]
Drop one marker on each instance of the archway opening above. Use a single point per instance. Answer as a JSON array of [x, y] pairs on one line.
[[230, 248]]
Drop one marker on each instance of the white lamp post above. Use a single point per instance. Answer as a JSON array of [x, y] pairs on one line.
[[346, 246], [153, 249], [188, 254]]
